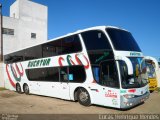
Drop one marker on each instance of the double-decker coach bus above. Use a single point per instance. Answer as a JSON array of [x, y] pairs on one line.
[[101, 65]]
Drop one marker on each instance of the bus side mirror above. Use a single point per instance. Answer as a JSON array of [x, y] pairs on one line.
[[128, 63]]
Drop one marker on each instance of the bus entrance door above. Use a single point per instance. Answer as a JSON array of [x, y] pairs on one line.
[[63, 90]]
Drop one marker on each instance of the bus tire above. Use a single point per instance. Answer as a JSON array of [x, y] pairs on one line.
[[83, 97], [18, 88], [26, 89], [151, 91]]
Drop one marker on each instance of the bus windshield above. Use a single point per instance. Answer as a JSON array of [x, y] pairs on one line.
[[123, 40], [139, 77], [150, 70]]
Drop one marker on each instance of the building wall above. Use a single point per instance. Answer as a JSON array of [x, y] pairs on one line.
[[14, 9], [10, 42], [0, 31], [26, 17]]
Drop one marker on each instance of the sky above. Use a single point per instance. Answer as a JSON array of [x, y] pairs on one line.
[[140, 17]]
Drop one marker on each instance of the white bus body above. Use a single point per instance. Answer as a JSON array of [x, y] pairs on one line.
[[90, 71]]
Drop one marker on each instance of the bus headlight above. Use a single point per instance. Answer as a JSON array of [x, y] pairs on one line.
[[128, 96]]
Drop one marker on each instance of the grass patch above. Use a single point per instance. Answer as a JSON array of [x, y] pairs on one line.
[[1, 88]]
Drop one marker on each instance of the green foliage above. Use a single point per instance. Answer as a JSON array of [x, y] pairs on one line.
[[1, 88], [158, 89]]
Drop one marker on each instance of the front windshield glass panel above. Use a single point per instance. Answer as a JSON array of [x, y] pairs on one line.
[[139, 77], [95, 40], [122, 40], [151, 69]]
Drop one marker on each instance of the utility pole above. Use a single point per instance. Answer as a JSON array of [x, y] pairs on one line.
[[1, 36]]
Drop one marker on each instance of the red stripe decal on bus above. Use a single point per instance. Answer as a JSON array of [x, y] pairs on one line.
[[60, 61], [20, 73], [9, 77], [86, 66]]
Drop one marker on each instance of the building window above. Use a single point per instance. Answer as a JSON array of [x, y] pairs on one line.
[[33, 35], [8, 31]]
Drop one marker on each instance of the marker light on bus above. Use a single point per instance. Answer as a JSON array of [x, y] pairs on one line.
[[128, 104]]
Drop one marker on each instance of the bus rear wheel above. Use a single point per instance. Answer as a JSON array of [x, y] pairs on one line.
[[18, 88], [26, 89], [83, 97]]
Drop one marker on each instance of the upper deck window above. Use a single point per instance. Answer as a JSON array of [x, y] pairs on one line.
[[67, 45], [123, 40], [95, 40]]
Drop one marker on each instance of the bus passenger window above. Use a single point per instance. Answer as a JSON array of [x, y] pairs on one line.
[[64, 74], [70, 45], [77, 74], [50, 74]]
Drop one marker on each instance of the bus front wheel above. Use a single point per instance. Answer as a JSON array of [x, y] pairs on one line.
[[83, 97], [26, 89]]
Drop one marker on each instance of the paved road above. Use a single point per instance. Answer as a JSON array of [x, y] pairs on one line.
[[14, 103]]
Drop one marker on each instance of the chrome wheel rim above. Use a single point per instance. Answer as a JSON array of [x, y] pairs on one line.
[[26, 89], [83, 96], [18, 88]]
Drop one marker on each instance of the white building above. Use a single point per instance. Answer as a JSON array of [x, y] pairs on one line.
[[26, 25]]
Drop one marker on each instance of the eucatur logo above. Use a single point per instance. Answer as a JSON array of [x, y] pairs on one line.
[[15, 74]]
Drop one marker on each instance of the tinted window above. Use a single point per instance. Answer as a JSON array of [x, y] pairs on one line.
[[123, 40], [109, 74], [62, 46], [77, 74], [96, 57], [67, 74], [51, 48], [64, 74], [71, 44], [32, 53], [95, 40], [71, 74], [26, 54], [43, 74], [13, 58]]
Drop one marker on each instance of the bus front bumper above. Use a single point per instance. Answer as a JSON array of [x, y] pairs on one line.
[[131, 102]]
